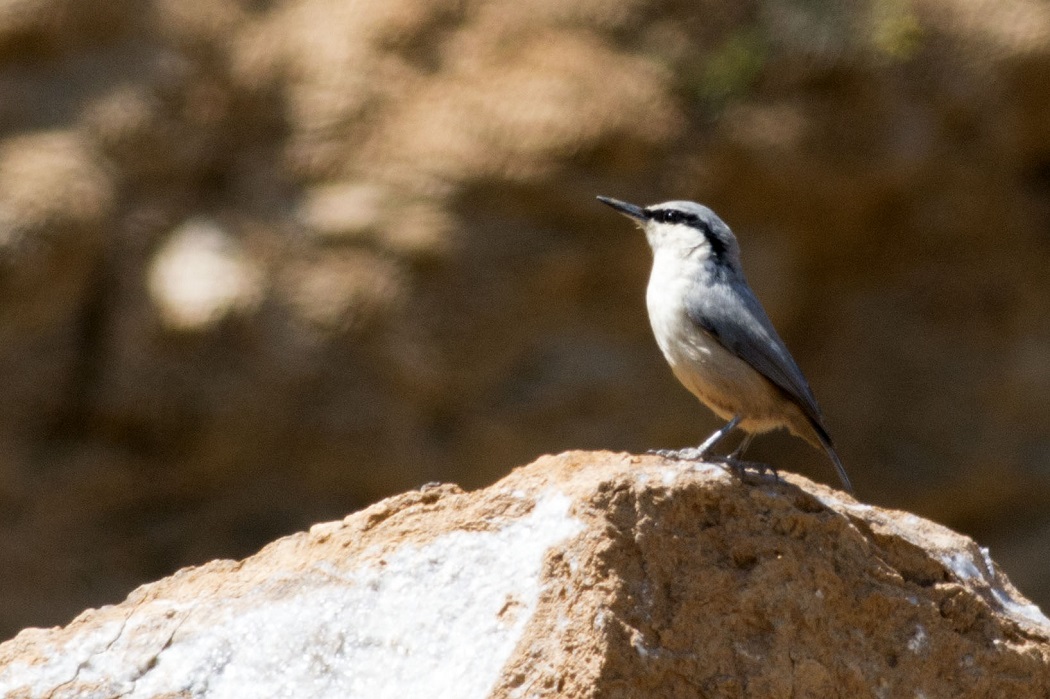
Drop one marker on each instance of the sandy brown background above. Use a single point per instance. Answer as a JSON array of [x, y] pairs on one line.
[[262, 263]]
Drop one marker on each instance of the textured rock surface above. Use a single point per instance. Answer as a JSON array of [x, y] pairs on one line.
[[584, 574], [244, 243]]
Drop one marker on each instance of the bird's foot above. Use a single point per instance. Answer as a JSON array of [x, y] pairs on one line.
[[687, 454], [740, 466], [737, 465]]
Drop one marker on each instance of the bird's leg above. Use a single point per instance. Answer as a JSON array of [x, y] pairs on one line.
[[744, 444], [735, 462], [718, 435], [703, 451]]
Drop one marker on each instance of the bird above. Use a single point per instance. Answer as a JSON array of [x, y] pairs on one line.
[[716, 336]]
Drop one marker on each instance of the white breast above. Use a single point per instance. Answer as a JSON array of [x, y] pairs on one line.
[[669, 283], [720, 379]]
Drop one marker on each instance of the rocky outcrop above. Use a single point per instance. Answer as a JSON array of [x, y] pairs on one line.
[[245, 243], [580, 575]]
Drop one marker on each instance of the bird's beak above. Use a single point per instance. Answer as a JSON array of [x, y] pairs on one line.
[[629, 210]]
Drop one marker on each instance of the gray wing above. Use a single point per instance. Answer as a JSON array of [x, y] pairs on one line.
[[731, 314]]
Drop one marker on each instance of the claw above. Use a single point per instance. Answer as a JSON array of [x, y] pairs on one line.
[[687, 454], [740, 466]]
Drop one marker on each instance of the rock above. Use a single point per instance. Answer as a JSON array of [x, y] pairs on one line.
[[583, 574], [246, 243]]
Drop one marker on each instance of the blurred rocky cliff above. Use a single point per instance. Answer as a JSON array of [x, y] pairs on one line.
[[264, 262]]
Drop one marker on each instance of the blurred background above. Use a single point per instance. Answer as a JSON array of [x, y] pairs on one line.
[[264, 262]]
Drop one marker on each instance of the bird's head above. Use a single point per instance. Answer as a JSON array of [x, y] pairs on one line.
[[684, 228]]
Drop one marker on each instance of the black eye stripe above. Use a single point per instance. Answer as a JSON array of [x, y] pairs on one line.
[[675, 216], [718, 246]]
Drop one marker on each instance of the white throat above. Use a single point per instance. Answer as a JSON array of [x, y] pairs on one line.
[[671, 279]]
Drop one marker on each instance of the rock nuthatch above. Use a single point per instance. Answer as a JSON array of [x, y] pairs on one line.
[[715, 335]]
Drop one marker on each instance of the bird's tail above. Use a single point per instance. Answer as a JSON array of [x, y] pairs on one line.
[[838, 467], [825, 441]]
